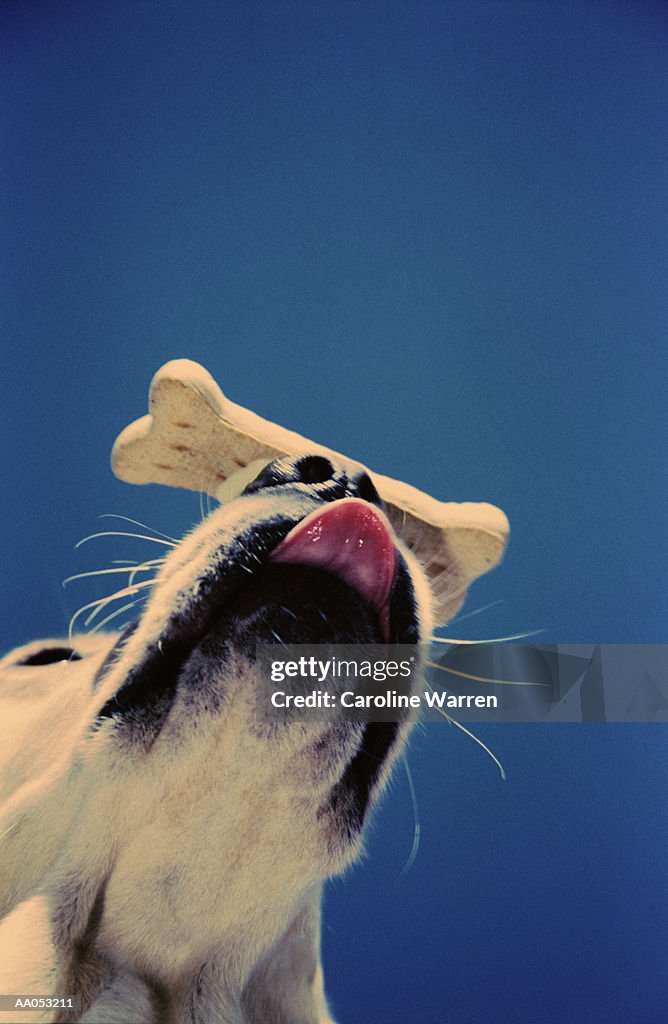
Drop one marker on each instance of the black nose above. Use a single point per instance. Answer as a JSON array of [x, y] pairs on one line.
[[328, 478]]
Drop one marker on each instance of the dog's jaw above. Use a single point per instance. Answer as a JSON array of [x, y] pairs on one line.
[[172, 784], [303, 791]]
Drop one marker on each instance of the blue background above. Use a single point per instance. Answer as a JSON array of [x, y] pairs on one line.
[[389, 226]]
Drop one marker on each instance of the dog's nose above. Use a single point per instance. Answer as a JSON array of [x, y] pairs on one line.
[[328, 478]]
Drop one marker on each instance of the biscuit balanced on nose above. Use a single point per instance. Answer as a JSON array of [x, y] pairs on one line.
[[194, 437]]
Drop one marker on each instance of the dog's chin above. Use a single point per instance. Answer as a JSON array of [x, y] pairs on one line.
[[241, 605], [300, 605], [294, 604]]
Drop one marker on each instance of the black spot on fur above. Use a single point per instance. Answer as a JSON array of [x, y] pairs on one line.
[[147, 694], [404, 627], [350, 797], [51, 656], [114, 654]]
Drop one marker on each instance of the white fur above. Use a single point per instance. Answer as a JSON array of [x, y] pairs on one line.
[[178, 887]]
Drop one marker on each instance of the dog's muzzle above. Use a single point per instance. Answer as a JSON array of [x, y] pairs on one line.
[[304, 555]]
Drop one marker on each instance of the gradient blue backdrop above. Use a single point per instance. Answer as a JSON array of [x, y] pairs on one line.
[[432, 236]]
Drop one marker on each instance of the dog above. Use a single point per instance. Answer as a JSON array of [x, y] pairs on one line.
[[164, 851]]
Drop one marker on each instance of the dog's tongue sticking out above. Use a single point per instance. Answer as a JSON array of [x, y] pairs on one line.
[[352, 540]]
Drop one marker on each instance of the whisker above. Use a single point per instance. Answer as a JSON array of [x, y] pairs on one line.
[[480, 743], [416, 542], [134, 568], [430, 561], [476, 611], [150, 566], [481, 679], [135, 522], [80, 611], [119, 611], [416, 821], [102, 602], [490, 640], [125, 592], [252, 554], [444, 594], [120, 533], [279, 640]]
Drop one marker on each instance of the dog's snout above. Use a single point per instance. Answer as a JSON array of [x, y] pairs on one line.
[[315, 469], [328, 478], [306, 469], [364, 487]]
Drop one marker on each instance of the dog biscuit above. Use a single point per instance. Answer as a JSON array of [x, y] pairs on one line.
[[196, 438]]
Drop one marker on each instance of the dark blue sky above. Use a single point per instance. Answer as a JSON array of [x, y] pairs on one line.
[[432, 236]]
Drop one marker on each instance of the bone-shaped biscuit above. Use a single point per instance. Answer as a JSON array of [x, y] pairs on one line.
[[195, 438]]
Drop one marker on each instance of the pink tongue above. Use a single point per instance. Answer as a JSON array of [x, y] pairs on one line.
[[352, 540]]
